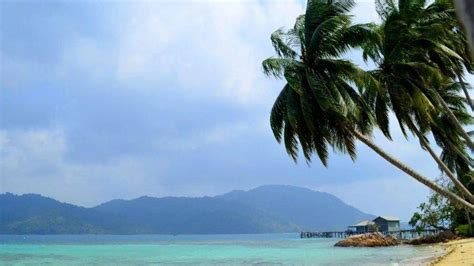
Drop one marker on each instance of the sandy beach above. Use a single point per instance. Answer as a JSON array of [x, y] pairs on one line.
[[458, 252]]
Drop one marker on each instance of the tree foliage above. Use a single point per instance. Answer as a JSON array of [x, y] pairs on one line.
[[327, 102], [437, 213], [319, 103]]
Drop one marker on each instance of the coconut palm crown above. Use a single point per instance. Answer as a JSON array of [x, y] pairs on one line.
[[418, 48], [319, 106], [418, 54]]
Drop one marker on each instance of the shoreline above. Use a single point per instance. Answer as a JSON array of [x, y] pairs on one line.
[[456, 252], [436, 251]]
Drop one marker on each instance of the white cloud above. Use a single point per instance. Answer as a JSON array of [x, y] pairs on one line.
[[206, 50], [36, 161]]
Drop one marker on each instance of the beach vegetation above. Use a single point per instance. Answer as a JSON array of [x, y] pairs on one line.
[[436, 213]]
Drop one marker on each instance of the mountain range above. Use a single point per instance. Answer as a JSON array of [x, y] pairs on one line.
[[266, 209]]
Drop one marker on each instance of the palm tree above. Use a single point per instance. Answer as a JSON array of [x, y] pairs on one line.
[[454, 156], [318, 103], [318, 106], [419, 45], [451, 143], [413, 68]]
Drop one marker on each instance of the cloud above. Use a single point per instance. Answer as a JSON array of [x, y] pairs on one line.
[[35, 161], [103, 100], [207, 50], [200, 45], [23, 153]]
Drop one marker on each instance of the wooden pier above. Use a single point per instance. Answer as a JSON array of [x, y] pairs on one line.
[[401, 234], [340, 234]]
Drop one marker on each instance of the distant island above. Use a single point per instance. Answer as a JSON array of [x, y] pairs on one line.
[[266, 209]]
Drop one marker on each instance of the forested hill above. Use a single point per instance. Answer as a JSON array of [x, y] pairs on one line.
[[266, 209]]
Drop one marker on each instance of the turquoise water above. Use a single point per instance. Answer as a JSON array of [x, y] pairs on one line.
[[195, 249]]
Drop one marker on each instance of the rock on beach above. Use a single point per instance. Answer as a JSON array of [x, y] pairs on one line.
[[368, 240]]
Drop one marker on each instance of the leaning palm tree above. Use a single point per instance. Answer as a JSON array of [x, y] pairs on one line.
[[419, 44], [454, 156], [318, 107], [413, 66]]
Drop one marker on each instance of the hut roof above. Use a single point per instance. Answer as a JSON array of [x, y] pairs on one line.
[[388, 218], [364, 223]]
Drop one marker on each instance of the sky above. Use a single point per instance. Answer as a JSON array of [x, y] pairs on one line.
[[119, 99]]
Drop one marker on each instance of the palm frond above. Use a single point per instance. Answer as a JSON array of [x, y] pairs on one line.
[[282, 45], [278, 113], [275, 66]]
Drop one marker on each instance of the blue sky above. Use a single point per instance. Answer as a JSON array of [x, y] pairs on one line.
[[103, 100]]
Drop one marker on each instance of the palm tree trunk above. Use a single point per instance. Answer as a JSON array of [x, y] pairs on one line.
[[455, 199], [469, 222], [466, 92], [455, 121], [441, 164]]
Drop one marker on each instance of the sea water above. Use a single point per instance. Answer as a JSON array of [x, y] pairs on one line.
[[196, 250]]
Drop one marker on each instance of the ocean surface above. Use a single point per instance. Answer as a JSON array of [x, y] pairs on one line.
[[196, 250]]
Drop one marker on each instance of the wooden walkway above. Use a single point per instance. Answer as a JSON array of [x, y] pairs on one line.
[[402, 234]]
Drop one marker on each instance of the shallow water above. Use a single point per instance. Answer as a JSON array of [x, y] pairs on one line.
[[195, 249]]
